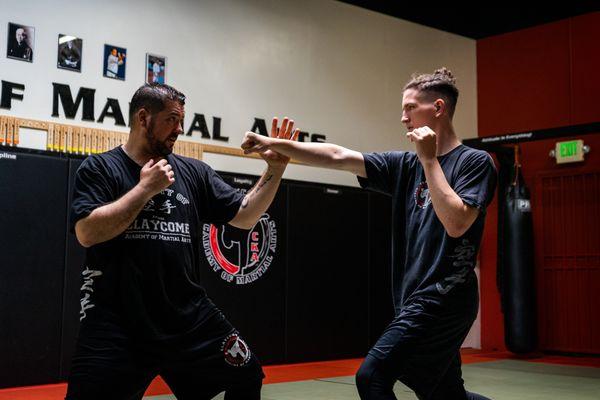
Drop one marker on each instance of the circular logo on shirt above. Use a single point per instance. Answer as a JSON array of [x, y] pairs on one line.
[[240, 257], [235, 351], [422, 197]]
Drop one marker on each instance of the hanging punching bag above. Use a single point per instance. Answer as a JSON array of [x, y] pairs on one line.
[[518, 288]]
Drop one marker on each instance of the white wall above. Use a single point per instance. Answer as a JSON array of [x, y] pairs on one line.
[[337, 69]]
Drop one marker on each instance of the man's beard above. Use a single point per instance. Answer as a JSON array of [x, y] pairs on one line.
[[156, 146]]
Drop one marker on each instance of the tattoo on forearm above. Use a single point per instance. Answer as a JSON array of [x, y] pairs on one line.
[[258, 187], [263, 183]]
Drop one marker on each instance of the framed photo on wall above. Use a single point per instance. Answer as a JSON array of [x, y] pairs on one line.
[[69, 52], [156, 68], [21, 40], [115, 59]]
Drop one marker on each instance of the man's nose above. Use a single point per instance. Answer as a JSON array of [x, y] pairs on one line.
[[179, 129]]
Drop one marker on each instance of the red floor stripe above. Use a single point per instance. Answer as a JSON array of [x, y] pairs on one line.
[[299, 372]]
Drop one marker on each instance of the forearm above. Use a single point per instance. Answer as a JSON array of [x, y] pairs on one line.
[[258, 199], [110, 220], [324, 155], [448, 206]]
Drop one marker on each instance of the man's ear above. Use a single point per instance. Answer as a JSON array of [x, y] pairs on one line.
[[142, 117], [440, 107]]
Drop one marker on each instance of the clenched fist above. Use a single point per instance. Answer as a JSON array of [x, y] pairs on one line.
[[255, 143], [425, 141], [155, 177]]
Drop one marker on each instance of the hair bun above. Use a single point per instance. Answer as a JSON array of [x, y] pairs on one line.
[[445, 74]]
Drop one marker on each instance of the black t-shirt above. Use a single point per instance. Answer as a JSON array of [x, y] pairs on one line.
[[145, 280], [426, 261]]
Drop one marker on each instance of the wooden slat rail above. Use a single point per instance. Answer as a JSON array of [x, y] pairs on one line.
[[73, 139]]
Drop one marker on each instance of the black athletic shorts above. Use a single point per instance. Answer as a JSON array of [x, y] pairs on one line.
[[109, 365]]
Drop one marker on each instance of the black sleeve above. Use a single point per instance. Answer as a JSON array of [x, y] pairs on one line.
[[383, 171], [476, 182], [222, 200], [92, 189]]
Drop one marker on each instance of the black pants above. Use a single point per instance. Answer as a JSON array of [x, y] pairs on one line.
[[375, 382], [421, 348], [111, 365]]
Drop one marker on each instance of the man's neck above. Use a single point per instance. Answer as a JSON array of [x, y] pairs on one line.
[[137, 152], [446, 140]]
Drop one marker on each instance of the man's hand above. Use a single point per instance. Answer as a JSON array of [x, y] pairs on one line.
[[426, 143], [255, 143], [258, 199], [110, 220], [154, 178]]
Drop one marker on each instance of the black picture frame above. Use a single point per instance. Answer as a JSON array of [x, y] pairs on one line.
[[20, 42], [69, 54], [115, 62]]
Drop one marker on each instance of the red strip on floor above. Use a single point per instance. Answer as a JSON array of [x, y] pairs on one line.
[[300, 372]]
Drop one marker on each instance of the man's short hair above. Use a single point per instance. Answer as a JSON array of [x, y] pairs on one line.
[[153, 97], [440, 84]]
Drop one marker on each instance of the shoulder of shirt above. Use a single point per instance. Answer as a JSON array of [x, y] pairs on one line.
[[395, 154], [397, 157], [475, 154], [402, 156], [95, 160], [190, 162]]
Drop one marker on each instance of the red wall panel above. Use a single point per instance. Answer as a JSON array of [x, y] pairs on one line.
[[542, 77], [585, 45], [566, 216], [523, 80]]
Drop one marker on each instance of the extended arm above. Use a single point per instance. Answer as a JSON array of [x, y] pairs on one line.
[[323, 155]]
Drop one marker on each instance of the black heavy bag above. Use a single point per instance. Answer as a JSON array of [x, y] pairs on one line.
[[518, 288]]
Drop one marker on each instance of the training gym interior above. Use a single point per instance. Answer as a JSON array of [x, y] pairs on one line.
[[310, 287]]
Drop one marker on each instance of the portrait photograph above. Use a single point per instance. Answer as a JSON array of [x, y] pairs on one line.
[[20, 42], [156, 68], [69, 52], [115, 59]]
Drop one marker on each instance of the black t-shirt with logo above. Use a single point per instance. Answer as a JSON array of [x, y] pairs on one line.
[[426, 261], [145, 280]]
